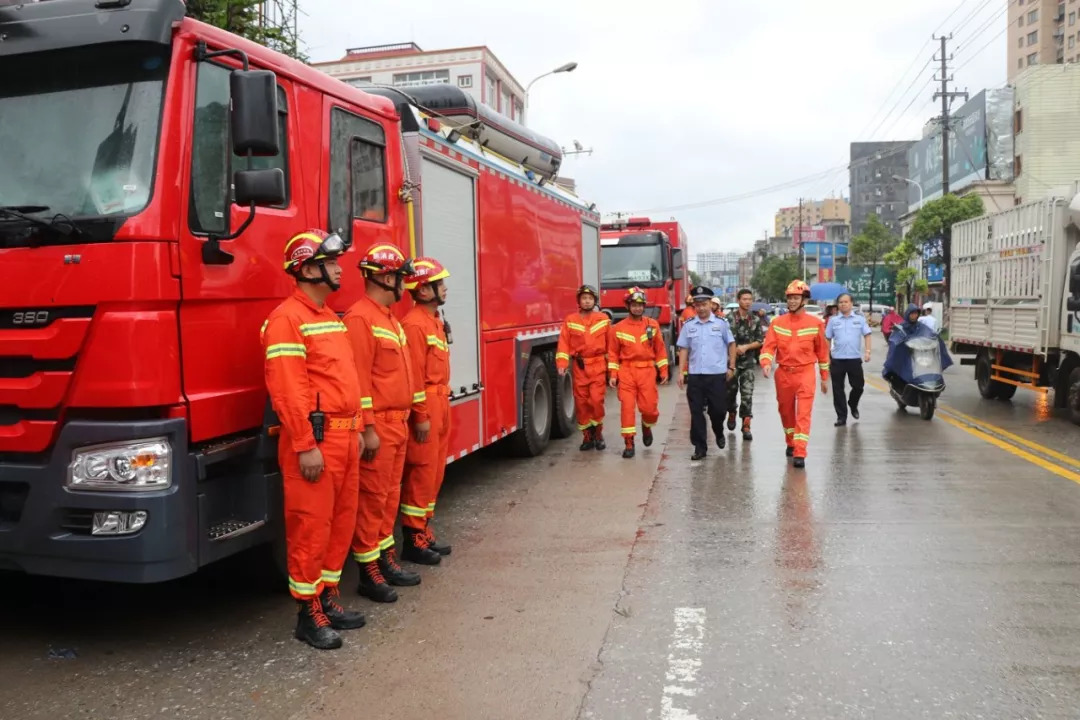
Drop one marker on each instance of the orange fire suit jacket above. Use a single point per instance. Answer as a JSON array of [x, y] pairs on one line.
[[308, 357], [428, 351], [388, 380], [584, 334], [629, 344], [796, 340]]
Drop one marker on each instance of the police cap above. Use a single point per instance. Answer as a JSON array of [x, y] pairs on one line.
[[701, 292]]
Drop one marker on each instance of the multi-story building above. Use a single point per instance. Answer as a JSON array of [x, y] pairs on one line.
[[1042, 32], [473, 69], [1046, 133], [875, 190], [812, 212], [716, 262]]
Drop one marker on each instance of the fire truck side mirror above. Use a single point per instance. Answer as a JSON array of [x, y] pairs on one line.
[[254, 113], [261, 188]]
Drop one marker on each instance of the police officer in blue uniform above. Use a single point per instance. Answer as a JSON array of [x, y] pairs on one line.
[[707, 360]]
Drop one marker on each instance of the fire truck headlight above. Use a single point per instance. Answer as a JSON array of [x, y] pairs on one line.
[[130, 466]]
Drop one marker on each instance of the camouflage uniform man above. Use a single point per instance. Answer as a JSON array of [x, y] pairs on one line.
[[749, 337]]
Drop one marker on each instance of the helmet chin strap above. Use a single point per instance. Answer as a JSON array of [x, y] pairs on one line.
[[324, 277], [395, 288]]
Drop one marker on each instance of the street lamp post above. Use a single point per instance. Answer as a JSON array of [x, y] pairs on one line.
[[909, 180], [568, 67]]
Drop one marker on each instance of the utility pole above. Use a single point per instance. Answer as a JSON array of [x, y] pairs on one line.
[[946, 99], [802, 252]]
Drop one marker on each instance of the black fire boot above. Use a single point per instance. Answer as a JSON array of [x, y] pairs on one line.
[[417, 550], [340, 618], [313, 626], [394, 573], [800, 462], [790, 451], [731, 420], [598, 437], [746, 434], [434, 544], [646, 436], [587, 441], [373, 585], [629, 451]]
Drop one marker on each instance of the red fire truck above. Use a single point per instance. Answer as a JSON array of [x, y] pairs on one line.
[[146, 198], [652, 256]]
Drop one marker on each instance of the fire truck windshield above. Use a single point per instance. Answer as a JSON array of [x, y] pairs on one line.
[[79, 129], [627, 265]]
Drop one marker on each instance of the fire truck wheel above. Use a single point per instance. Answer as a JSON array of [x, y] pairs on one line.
[[536, 401], [563, 419]]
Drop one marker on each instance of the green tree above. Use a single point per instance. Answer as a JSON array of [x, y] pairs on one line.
[[908, 281], [241, 17], [773, 275], [870, 248], [695, 279], [932, 229]]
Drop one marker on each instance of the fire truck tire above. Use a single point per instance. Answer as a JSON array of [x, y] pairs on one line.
[[563, 418], [536, 401], [1074, 396]]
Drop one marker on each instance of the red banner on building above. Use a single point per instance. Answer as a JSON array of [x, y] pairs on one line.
[[799, 235]]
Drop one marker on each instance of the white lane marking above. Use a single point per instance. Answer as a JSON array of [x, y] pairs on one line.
[[684, 662]]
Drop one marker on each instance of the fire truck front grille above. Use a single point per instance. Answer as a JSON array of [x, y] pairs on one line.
[[12, 498]]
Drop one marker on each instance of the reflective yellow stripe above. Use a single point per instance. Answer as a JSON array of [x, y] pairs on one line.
[[612, 366], [386, 334], [431, 507], [808, 331], [434, 341], [263, 328], [767, 356], [626, 337], [419, 397], [562, 356], [648, 425], [662, 363], [789, 431], [599, 326], [413, 511], [286, 350], [823, 366], [366, 403], [387, 543], [322, 328], [800, 436], [782, 331], [629, 431], [330, 576], [367, 557], [575, 326], [301, 588], [586, 426], [644, 338]]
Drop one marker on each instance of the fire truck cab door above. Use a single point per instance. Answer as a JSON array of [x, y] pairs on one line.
[[448, 223]]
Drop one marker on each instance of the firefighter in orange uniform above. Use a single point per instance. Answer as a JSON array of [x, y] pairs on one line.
[[384, 367], [636, 351], [688, 313], [583, 341], [425, 463], [314, 389], [794, 344]]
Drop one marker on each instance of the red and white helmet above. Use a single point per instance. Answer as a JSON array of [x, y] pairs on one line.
[[309, 246], [383, 258], [798, 287], [425, 270]]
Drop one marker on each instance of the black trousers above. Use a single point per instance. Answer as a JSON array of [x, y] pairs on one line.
[[852, 370], [706, 391]]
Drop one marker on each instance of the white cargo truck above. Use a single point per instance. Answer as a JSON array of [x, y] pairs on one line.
[[1015, 300]]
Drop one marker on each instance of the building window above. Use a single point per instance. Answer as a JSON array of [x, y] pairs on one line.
[[1072, 19], [464, 81], [360, 81], [1033, 16], [489, 94], [1020, 21], [1018, 166], [519, 110], [1018, 121], [1020, 64], [422, 77], [504, 102], [1033, 59], [1072, 42], [1033, 37]]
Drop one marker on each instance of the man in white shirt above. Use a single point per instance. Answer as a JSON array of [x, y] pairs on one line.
[[928, 318]]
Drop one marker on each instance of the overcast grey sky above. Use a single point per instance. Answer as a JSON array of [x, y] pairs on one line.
[[687, 101]]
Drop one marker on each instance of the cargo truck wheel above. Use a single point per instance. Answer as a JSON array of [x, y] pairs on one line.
[[563, 417], [1074, 396], [536, 399], [988, 388], [1005, 391]]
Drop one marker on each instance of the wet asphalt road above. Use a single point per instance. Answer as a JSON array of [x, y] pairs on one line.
[[913, 570]]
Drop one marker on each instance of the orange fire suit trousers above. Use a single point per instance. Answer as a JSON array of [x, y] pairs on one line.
[[637, 387], [795, 395], [380, 487], [425, 463], [590, 386], [319, 516]]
